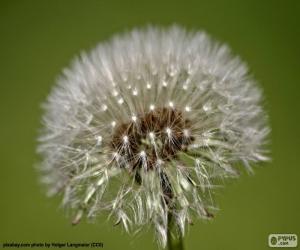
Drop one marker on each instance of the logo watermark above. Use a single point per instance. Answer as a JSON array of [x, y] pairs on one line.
[[283, 240]]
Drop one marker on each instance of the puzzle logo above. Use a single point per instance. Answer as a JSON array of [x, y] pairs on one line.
[[283, 240]]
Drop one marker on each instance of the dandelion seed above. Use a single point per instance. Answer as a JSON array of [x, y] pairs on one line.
[[187, 109], [99, 139], [125, 139], [186, 133], [135, 92], [190, 114], [152, 107], [104, 107], [113, 124], [168, 131], [115, 93], [171, 104], [134, 118], [121, 101]]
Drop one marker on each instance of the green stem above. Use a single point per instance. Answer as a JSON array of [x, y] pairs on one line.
[[174, 235], [174, 242]]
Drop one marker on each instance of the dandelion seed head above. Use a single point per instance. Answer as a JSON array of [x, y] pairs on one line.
[[166, 112]]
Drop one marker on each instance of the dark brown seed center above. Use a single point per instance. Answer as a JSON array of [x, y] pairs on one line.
[[157, 135]]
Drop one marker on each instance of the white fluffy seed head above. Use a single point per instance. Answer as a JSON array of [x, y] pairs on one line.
[[167, 109]]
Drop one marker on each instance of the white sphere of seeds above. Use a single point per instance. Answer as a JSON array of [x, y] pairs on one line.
[[143, 125]]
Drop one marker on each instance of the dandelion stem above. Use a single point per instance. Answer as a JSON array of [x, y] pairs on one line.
[[174, 235], [174, 243]]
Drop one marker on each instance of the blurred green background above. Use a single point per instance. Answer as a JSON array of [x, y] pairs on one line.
[[38, 39]]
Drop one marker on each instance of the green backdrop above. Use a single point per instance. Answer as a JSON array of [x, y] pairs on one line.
[[38, 39]]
